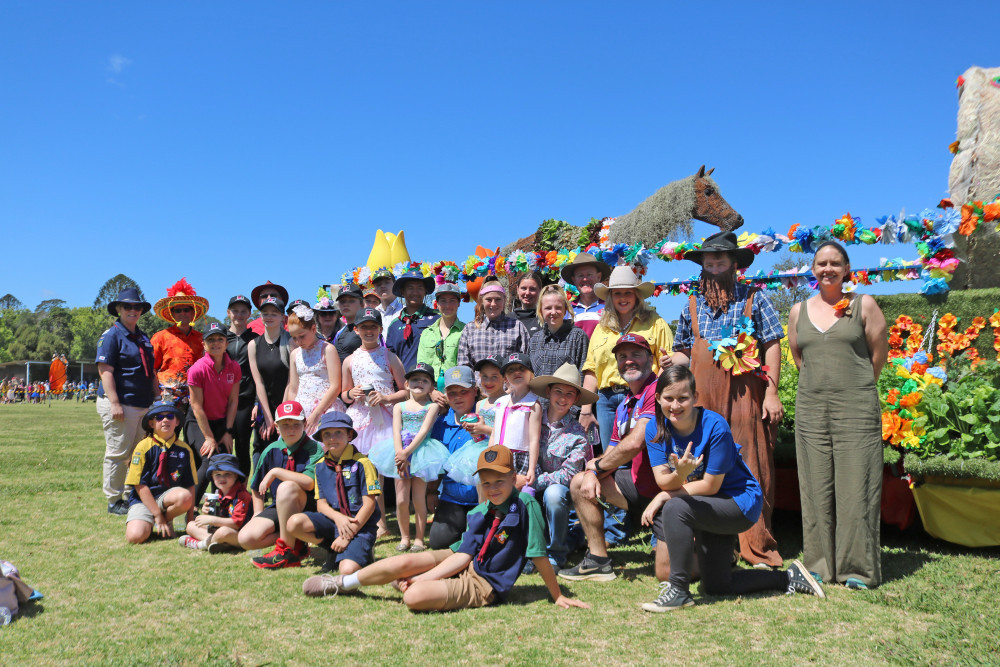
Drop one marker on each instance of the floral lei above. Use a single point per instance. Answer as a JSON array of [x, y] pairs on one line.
[[737, 350]]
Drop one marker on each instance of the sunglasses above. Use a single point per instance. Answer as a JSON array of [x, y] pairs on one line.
[[130, 306], [182, 310], [164, 415]]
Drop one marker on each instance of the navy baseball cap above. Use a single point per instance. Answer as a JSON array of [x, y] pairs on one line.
[[489, 359], [421, 367], [272, 301], [516, 359], [368, 315], [336, 419], [350, 289], [297, 302], [239, 298], [212, 329], [225, 463]]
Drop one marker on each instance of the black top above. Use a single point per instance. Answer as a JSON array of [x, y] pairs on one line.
[[273, 371], [346, 342], [529, 318], [237, 350], [333, 336]]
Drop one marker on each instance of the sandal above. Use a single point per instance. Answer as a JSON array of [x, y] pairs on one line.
[[417, 548], [403, 546]]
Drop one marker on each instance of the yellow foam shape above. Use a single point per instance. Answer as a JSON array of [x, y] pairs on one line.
[[397, 248]]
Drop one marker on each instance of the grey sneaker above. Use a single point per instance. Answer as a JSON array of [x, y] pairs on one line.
[[218, 547], [323, 585], [800, 580], [670, 598], [589, 569]]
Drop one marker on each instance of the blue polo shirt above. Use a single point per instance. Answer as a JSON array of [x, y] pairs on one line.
[[305, 453], [520, 536], [178, 467], [360, 480], [447, 430], [130, 355], [406, 350], [714, 441]]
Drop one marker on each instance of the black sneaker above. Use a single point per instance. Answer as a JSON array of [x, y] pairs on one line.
[[589, 570], [331, 563], [800, 580], [218, 547], [119, 507], [671, 598]]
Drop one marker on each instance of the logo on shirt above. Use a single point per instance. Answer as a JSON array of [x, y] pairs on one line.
[[502, 537], [230, 378], [136, 460], [175, 475]]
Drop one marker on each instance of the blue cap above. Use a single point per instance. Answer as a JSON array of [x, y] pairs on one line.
[[161, 407], [225, 463], [336, 419], [459, 376]]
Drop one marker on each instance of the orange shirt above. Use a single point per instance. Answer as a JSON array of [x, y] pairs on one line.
[[173, 353]]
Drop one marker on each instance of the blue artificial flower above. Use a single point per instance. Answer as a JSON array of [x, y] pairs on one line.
[[947, 223], [934, 286], [921, 357], [938, 372]]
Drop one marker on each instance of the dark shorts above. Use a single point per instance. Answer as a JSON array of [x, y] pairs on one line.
[[361, 549], [637, 502], [271, 513]]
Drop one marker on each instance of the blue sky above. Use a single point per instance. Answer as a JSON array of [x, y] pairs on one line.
[[237, 142]]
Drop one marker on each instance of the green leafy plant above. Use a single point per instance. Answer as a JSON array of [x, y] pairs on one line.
[[963, 420]]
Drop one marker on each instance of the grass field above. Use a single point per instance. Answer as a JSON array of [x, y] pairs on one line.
[[110, 603]]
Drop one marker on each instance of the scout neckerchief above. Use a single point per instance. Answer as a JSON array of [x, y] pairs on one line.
[[290, 460], [345, 506], [489, 535], [408, 320], [161, 464]]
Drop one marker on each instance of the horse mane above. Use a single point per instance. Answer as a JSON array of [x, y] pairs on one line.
[[665, 214]]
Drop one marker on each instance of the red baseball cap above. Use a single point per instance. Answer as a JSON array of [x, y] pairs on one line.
[[290, 410], [632, 339]]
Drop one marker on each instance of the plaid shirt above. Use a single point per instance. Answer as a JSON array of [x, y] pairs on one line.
[[502, 336], [563, 452], [766, 323], [549, 351]]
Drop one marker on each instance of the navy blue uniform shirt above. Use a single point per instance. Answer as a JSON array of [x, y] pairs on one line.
[[405, 349], [130, 355]]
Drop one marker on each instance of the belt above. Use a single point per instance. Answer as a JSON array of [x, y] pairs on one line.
[[616, 389]]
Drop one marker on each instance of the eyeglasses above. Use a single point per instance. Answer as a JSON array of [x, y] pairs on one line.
[[130, 306], [327, 314], [164, 415], [182, 310]]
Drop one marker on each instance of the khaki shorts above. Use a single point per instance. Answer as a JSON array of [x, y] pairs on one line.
[[139, 511], [467, 591]]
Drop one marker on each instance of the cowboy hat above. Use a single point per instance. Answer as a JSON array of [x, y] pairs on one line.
[[129, 295], [623, 278], [566, 374], [722, 242], [585, 259], [180, 294]]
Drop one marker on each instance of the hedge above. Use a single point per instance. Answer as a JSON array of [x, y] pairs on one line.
[[942, 466]]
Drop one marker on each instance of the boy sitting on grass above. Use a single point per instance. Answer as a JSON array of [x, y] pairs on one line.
[[502, 534], [162, 475], [346, 516], [220, 531], [286, 469]]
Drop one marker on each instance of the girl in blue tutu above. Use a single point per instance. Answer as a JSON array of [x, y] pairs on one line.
[[412, 457]]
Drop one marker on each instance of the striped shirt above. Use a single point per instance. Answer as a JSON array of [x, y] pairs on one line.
[[587, 317]]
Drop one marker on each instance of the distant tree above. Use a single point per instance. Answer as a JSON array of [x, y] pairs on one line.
[[10, 302], [109, 290], [49, 304], [86, 325], [784, 299]]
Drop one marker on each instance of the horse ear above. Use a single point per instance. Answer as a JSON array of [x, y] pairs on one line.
[[709, 172], [701, 172]]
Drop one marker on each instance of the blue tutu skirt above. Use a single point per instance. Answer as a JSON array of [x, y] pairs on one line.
[[426, 462], [461, 465]]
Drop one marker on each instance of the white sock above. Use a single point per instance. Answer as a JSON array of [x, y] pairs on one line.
[[203, 545], [351, 582]]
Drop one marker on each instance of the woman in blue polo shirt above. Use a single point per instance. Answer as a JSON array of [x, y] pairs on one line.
[[128, 382], [708, 494]]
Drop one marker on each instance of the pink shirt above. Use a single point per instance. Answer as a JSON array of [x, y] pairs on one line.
[[215, 387]]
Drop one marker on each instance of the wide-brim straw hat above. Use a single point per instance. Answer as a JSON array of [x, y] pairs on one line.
[[180, 294], [722, 242], [565, 374], [623, 278], [584, 259]]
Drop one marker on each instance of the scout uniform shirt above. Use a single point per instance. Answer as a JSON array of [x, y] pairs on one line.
[[519, 535], [161, 466], [304, 456], [238, 505], [360, 480], [130, 356]]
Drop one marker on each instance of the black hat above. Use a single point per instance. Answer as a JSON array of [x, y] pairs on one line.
[[421, 367], [351, 289], [516, 358], [297, 302], [211, 329], [368, 315], [239, 298], [412, 275], [128, 295], [325, 305], [490, 359], [272, 301], [722, 242]]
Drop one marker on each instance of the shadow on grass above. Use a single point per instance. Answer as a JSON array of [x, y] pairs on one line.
[[30, 610]]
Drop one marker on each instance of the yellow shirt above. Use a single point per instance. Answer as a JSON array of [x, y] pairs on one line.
[[601, 362]]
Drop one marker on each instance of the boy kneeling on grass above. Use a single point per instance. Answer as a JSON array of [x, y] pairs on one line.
[[502, 534], [346, 516], [218, 529], [287, 468], [162, 475]]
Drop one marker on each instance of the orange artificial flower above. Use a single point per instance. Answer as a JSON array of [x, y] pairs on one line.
[[910, 400], [794, 228], [969, 220], [841, 305], [893, 396], [991, 212], [890, 424], [947, 321]]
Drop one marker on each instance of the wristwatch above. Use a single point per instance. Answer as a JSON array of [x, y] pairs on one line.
[[597, 465]]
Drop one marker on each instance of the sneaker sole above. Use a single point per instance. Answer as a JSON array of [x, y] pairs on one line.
[[813, 584], [657, 609], [593, 576], [275, 566]]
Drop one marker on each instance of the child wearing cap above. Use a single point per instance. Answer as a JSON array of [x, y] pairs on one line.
[[370, 377], [346, 516], [456, 492], [519, 415], [162, 475], [412, 457], [502, 534], [492, 385], [286, 469], [217, 527]]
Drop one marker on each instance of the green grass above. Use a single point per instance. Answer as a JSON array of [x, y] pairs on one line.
[[110, 603]]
